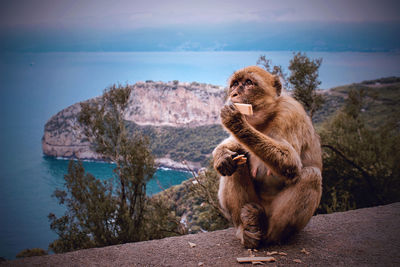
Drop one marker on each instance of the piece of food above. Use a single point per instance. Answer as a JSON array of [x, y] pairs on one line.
[[192, 245], [305, 251], [241, 159], [245, 109], [256, 259]]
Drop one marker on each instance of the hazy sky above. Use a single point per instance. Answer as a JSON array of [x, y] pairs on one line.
[[200, 25]]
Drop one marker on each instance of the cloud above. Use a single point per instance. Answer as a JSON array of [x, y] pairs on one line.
[[192, 25], [128, 14]]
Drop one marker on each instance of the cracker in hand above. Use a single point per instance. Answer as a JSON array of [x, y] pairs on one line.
[[241, 159], [245, 109]]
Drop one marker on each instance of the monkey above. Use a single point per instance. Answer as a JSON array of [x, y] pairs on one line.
[[274, 194]]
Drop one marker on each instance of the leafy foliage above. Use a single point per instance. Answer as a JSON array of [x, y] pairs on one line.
[[91, 212], [112, 212], [195, 202], [360, 162], [160, 219], [182, 143], [274, 69], [209, 215], [304, 81], [31, 253]]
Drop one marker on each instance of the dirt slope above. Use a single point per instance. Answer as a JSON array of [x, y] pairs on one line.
[[364, 237]]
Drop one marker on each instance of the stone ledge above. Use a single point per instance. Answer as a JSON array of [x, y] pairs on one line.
[[363, 237]]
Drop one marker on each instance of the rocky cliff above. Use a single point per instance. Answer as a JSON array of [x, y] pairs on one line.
[[156, 104], [64, 138], [174, 104]]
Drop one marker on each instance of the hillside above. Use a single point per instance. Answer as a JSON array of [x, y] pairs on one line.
[[382, 98], [363, 237], [182, 120], [174, 104], [168, 113]]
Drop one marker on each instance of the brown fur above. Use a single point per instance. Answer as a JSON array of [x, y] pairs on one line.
[[279, 188]]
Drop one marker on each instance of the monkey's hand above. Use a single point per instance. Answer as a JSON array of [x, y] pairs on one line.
[[231, 118], [225, 164]]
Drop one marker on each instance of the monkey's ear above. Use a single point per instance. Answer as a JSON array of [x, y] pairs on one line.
[[277, 85]]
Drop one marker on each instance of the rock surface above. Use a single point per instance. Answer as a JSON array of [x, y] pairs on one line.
[[174, 104], [64, 138], [150, 103], [363, 237]]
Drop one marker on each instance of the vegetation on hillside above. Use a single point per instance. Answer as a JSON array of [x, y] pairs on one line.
[[195, 202], [360, 159], [380, 102], [31, 253], [384, 80], [182, 143]]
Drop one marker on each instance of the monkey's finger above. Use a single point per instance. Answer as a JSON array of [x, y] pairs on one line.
[[234, 154], [232, 106]]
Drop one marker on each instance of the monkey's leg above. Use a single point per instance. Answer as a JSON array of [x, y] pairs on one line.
[[241, 204], [292, 209], [254, 225]]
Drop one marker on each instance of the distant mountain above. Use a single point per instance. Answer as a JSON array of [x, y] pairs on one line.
[[182, 119]]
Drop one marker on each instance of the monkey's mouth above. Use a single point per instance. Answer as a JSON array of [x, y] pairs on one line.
[[235, 98], [239, 100]]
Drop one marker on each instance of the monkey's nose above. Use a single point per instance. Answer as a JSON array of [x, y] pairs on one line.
[[235, 95]]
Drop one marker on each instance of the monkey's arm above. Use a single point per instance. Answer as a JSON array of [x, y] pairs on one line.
[[223, 156], [278, 154]]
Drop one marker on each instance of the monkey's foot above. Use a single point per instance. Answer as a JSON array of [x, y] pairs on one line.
[[254, 223]]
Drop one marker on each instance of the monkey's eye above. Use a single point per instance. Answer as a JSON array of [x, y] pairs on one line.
[[249, 82], [235, 83]]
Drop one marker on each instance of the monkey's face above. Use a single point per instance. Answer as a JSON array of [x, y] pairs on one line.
[[253, 85], [241, 89]]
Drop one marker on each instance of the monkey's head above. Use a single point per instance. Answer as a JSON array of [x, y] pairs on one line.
[[253, 85]]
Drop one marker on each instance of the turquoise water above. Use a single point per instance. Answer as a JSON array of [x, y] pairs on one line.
[[33, 87], [163, 178]]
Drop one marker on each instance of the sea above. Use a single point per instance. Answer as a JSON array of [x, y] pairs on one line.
[[35, 86]]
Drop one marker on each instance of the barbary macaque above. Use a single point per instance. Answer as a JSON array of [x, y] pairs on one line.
[[271, 164]]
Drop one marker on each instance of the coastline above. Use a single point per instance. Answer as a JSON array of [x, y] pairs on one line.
[[187, 166], [166, 163]]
